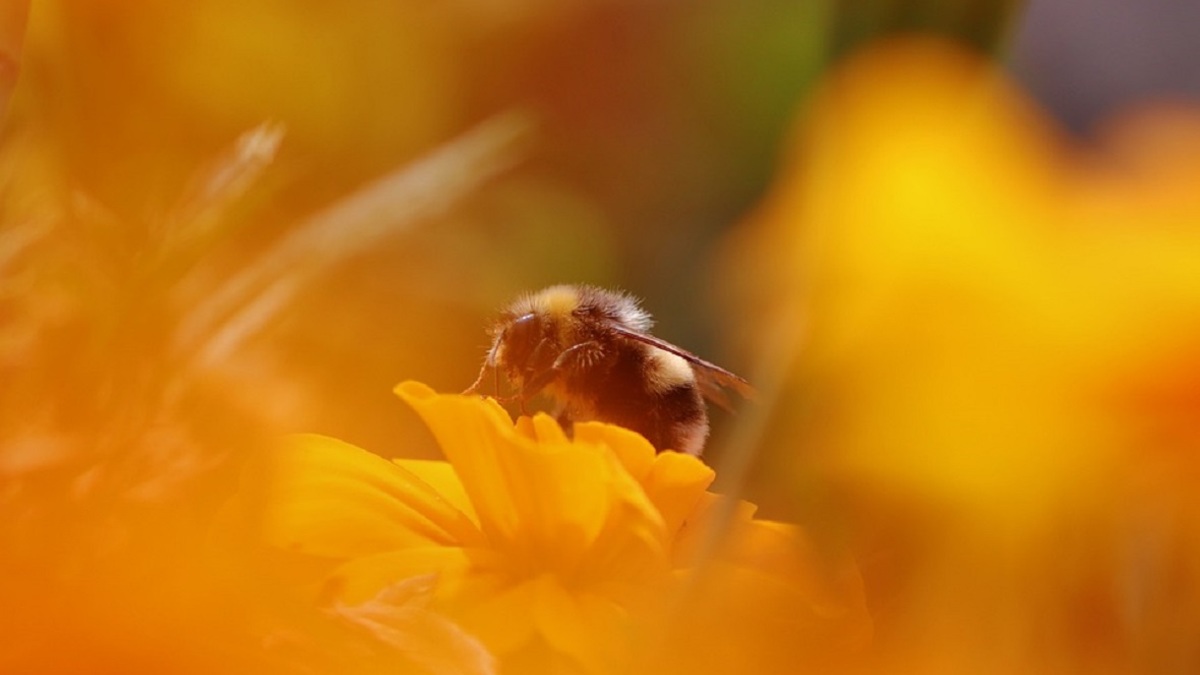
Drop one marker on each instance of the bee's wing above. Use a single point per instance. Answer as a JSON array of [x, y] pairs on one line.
[[711, 378]]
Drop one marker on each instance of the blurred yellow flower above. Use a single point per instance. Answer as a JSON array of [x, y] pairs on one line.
[[561, 555], [998, 363], [976, 289]]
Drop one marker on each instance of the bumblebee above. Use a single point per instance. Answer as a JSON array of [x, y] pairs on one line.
[[591, 350]]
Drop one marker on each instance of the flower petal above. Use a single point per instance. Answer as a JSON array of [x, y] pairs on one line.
[[504, 618], [319, 495], [548, 501], [676, 483], [467, 429], [440, 476], [630, 447], [360, 579], [582, 625], [673, 481], [398, 616]]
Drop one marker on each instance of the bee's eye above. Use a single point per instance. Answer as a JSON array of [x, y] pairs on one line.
[[523, 335]]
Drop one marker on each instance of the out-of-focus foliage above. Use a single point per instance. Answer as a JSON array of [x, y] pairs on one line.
[[994, 368]]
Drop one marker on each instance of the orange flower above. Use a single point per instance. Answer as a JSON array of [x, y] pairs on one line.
[[559, 554]]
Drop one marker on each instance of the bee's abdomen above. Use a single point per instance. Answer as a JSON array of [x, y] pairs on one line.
[[641, 392], [676, 420]]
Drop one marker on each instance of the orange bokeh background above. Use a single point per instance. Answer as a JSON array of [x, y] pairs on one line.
[[974, 334]]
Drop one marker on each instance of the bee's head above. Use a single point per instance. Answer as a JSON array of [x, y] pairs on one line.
[[525, 346]]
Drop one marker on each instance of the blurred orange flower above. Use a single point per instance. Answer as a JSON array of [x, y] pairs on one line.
[[561, 555], [998, 361]]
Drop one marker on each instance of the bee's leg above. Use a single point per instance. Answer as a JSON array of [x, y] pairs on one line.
[[531, 383], [479, 380], [573, 358], [489, 361], [536, 382], [474, 388], [579, 357], [566, 422]]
